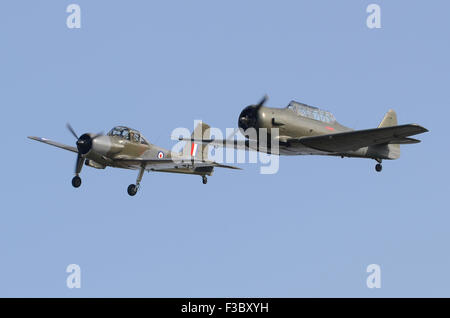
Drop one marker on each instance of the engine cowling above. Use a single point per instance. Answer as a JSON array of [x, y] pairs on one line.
[[248, 118]]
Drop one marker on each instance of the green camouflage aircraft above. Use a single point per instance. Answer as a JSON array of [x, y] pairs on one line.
[[126, 148], [308, 130]]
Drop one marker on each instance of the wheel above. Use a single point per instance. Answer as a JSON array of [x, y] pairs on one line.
[[132, 190], [204, 180], [378, 167], [76, 182]]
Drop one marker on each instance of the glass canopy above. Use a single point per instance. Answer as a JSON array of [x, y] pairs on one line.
[[311, 112], [128, 134]]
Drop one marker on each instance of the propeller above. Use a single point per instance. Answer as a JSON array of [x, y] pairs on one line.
[[72, 130], [262, 101], [84, 145], [249, 116], [84, 142]]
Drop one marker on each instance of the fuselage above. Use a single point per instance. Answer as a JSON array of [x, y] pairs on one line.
[[125, 143], [294, 122], [120, 143]]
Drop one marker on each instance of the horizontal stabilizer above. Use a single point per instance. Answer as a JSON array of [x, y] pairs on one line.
[[404, 141]]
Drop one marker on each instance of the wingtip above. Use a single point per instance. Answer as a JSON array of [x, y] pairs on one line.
[[423, 129]]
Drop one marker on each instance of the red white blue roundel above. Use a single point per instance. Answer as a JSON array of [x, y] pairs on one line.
[[160, 155]]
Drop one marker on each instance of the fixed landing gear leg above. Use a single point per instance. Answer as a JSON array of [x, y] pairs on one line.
[[133, 188], [76, 181], [378, 166]]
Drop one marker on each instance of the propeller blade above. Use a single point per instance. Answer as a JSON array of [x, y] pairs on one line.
[[98, 135], [262, 101], [71, 130]]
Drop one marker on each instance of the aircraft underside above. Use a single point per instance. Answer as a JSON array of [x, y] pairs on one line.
[[300, 150], [377, 153]]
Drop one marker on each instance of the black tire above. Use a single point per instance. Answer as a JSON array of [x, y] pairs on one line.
[[132, 190], [76, 182], [204, 180], [378, 167]]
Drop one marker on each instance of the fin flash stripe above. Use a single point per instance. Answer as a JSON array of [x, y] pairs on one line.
[[193, 149]]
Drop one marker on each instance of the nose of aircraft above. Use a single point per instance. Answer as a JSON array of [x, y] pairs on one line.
[[252, 115], [102, 144], [248, 117], [99, 143], [84, 144]]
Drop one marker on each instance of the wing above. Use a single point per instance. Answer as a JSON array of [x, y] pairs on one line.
[[354, 140], [54, 143], [226, 143], [158, 164]]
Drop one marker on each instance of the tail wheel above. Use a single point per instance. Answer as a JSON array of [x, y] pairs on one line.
[[204, 180]]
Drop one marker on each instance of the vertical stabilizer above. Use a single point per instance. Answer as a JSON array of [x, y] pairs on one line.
[[390, 119], [198, 151]]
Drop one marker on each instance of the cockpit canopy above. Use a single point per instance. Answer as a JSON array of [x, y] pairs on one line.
[[311, 112], [128, 134]]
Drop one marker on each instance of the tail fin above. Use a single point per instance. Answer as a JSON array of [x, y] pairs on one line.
[[390, 119], [199, 151]]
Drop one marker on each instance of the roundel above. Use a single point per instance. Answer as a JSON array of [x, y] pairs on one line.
[[160, 155]]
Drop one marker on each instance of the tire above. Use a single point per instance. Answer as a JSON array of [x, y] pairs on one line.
[[132, 190], [76, 182]]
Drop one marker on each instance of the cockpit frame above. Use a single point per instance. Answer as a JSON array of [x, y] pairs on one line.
[[311, 112], [129, 134]]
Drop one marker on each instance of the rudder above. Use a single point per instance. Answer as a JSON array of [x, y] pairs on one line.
[[392, 151], [199, 151], [390, 119]]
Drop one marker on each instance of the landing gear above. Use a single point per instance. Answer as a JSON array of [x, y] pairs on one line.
[[204, 179], [133, 188], [378, 167], [76, 182]]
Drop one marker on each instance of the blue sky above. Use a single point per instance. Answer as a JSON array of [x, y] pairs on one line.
[[309, 230]]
